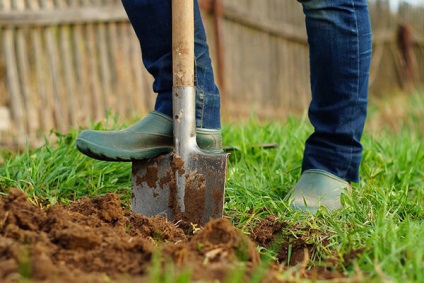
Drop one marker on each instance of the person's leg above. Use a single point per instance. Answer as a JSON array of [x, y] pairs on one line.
[[151, 21], [339, 36]]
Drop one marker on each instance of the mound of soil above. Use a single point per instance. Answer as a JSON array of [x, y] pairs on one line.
[[96, 240]]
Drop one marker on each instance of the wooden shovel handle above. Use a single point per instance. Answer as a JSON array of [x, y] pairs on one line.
[[183, 42]]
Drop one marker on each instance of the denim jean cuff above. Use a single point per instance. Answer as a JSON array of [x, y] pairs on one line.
[[208, 110], [344, 165]]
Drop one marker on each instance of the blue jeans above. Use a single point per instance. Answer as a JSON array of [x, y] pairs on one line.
[[339, 36], [151, 20]]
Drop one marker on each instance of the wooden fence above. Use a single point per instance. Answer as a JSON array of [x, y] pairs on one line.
[[66, 62]]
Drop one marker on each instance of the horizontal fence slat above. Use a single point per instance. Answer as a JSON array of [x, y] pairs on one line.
[[287, 31], [62, 16]]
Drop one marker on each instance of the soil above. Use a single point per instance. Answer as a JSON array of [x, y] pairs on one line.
[[97, 240]]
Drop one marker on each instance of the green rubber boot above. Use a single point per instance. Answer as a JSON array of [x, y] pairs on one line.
[[317, 188], [148, 138]]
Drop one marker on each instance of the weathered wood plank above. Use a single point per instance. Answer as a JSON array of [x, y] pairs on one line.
[[41, 70], [61, 16], [92, 64], [286, 31], [116, 53], [12, 75], [5, 121]]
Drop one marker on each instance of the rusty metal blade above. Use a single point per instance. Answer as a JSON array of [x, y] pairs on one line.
[[191, 191]]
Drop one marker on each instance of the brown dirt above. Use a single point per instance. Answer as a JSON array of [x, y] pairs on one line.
[[96, 240]]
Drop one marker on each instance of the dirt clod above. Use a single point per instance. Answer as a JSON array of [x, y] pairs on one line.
[[264, 231]]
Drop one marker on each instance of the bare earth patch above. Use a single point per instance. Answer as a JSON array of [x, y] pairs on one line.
[[96, 240]]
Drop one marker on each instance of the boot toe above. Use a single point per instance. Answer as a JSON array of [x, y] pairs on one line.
[[317, 188], [123, 145]]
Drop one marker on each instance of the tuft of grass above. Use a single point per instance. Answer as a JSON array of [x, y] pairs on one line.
[[60, 173], [258, 176]]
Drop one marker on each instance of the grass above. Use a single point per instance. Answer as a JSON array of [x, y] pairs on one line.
[[59, 173], [378, 237]]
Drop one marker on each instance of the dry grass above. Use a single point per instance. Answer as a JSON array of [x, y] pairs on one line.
[[396, 112]]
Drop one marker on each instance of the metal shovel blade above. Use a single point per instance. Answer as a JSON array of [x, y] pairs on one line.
[[189, 191]]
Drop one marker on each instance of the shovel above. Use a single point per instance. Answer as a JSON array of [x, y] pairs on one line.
[[186, 184]]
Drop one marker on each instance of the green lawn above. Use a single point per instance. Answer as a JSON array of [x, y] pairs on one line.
[[377, 237]]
